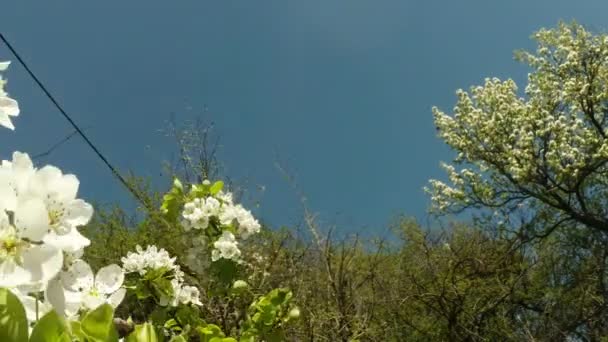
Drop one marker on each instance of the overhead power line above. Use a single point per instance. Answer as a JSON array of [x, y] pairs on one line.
[[79, 131]]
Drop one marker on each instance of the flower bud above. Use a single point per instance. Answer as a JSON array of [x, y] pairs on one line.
[[294, 313], [240, 285]]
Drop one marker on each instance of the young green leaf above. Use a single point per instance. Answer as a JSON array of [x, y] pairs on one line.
[[13, 322], [51, 328], [142, 333], [216, 187], [98, 324]]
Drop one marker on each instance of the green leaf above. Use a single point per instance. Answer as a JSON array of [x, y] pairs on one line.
[[142, 333], [216, 187], [163, 287], [178, 338], [172, 200], [158, 316], [77, 332], [209, 332], [177, 184], [155, 273], [98, 324], [197, 191], [225, 270], [171, 323], [188, 315], [51, 328], [13, 322]]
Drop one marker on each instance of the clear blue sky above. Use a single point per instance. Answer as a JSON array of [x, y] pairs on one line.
[[342, 90]]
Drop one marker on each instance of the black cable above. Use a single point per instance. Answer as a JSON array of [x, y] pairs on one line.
[[56, 145], [78, 130]]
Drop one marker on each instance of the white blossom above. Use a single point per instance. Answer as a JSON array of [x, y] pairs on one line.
[[8, 106], [151, 258], [246, 223], [142, 261], [540, 144], [78, 288], [226, 247]]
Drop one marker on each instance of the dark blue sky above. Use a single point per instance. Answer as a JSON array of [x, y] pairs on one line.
[[341, 90]]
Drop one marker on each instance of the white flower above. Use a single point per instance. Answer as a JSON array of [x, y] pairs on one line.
[[211, 207], [23, 262], [246, 223], [225, 197], [59, 193], [44, 203], [194, 216], [152, 258], [78, 288], [182, 294], [65, 212], [226, 247], [189, 294], [8, 106], [229, 214], [14, 178], [149, 259]]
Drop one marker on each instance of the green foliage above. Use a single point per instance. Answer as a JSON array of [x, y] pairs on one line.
[[143, 333], [210, 332], [13, 323], [173, 200], [267, 315], [51, 328], [98, 324]]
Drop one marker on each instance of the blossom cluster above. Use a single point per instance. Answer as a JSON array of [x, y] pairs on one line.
[[154, 259], [551, 137], [219, 213], [142, 261], [40, 245]]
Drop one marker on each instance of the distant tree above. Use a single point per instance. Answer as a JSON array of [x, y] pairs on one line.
[[534, 165], [544, 151]]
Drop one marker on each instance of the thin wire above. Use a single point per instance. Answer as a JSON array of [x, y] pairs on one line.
[[56, 145], [76, 127]]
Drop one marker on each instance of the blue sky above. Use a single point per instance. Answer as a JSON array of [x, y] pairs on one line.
[[340, 90]]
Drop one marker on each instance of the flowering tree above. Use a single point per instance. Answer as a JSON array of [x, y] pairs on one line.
[[49, 293], [544, 150]]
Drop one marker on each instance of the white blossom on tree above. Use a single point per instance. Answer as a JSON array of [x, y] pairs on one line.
[[544, 148]]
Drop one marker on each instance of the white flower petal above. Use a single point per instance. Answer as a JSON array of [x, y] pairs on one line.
[[63, 301], [66, 186], [5, 120], [43, 262], [9, 106], [116, 298], [12, 275], [109, 279], [22, 170], [79, 213], [72, 242], [78, 277], [43, 181], [32, 219], [54, 294], [92, 301], [8, 201]]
